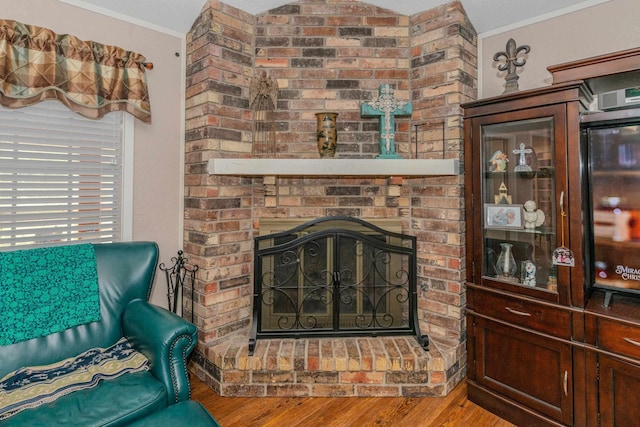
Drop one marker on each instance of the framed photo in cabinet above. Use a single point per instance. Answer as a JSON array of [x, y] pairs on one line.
[[503, 216]]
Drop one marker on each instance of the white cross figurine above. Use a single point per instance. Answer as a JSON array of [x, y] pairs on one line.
[[522, 162]]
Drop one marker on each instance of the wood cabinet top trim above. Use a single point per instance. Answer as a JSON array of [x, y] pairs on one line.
[[596, 66], [554, 94]]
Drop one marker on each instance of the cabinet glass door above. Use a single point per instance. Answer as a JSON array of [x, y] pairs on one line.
[[518, 186], [614, 179]]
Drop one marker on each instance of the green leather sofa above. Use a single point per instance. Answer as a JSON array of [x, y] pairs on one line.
[[125, 276]]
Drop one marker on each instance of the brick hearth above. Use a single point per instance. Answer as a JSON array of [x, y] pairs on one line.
[[382, 366]]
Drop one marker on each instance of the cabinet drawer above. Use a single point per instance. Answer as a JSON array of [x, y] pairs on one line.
[[618, 337], [539, 317]]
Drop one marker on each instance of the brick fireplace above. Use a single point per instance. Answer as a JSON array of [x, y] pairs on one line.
[[334, 277], [326, 56]]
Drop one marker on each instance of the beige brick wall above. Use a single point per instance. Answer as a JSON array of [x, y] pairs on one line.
[[219, 210]]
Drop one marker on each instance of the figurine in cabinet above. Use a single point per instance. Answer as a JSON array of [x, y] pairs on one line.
[[533, 217], [528, 273], [502, 198], [498, 162]]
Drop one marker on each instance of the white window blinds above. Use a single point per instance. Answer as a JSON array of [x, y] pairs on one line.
[[60, 177]]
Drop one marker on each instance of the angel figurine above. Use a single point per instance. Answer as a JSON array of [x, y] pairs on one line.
[[532, 216], [263, 100]]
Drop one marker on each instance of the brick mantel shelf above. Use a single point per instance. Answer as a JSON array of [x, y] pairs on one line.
[[333, 167]]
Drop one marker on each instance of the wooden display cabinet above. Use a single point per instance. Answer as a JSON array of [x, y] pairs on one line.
[[559, 347], [524, 320]]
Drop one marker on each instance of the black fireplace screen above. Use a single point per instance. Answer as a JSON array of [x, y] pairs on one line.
[[335, 276]]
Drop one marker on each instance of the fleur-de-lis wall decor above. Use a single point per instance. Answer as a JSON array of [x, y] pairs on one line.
[[511, 64]]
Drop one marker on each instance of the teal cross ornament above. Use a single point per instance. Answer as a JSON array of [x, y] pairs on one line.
[[386, 107]]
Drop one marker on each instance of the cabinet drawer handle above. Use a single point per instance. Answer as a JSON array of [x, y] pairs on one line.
[[565, 384], [519, 313], [630, 341]]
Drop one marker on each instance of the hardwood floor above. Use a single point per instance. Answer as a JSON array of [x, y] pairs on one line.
[[451, 411]]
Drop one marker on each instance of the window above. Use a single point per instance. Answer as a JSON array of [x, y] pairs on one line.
[[61, 177]]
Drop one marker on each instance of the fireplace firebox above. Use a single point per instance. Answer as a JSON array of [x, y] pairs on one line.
[[335, 276]]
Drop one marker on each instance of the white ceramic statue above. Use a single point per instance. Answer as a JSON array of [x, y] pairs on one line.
[[533, 217], [528, 273]]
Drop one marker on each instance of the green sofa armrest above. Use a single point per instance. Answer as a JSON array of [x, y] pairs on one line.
[[166, 340]]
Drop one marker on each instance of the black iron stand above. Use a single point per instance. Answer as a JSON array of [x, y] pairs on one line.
[[176, 276], [429, 125]]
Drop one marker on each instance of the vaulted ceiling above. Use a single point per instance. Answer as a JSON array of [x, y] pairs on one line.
[[177, 16]]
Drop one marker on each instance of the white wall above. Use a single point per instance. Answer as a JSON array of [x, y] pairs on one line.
[[602, 28], [158, 170]]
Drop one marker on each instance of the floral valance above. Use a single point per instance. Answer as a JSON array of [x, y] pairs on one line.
[[90, 78]]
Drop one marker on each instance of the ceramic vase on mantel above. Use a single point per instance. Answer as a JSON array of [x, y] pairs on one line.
[[327, 134]]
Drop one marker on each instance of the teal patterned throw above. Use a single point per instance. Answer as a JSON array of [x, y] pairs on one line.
[[47, 290]]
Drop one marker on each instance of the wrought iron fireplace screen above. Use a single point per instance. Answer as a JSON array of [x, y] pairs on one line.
[[335, 276]]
